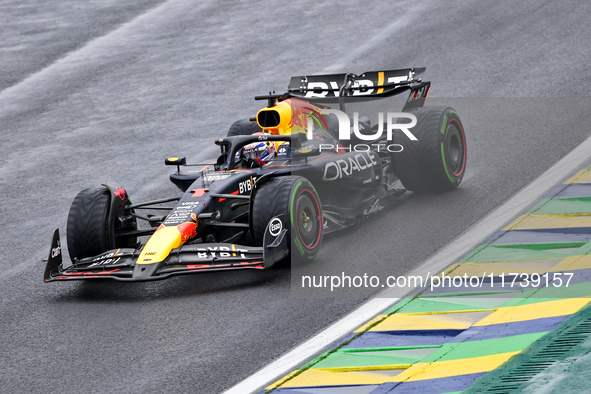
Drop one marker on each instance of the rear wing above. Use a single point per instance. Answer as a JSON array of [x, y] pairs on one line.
[[339, 88]]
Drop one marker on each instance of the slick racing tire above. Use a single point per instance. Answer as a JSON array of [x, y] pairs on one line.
[[92, 228], [244, 127], [297, 198], [437, 160]]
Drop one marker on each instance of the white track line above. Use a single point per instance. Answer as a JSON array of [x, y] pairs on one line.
[[471, 238]]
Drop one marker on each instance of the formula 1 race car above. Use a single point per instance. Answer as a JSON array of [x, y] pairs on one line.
[[280, 183]]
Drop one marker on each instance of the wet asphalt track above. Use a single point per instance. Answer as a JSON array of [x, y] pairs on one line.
[[104, 91]]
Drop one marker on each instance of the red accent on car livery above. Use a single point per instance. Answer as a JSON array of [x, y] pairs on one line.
[[198, 192], [120, 192]]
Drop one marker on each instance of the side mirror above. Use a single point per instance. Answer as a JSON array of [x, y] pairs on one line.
[[175, 161]]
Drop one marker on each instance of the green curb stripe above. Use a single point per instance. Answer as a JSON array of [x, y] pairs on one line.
[[398, 306], [541, 245], [451, 304], [583, 250], [491, 253], [340, 359], [423, 306], [483, 252], [383, 349], [484, 347], [471, 255], [562, 206], [498, 293], [544, 294]]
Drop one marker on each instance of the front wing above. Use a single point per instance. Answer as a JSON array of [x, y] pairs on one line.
[[121, 264]]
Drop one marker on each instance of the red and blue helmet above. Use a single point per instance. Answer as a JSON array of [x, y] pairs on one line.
[[261, 151]]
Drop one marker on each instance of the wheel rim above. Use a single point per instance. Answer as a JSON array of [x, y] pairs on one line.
[[307, 219], [455, 152]]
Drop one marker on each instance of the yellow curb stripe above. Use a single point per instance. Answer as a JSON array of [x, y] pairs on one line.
[[464, 366], [370, 323], [573, 263], [536, 222], [534, 311], [583, 176], [314, 377], [279, 383]]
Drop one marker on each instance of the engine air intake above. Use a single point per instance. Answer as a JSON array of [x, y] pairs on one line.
[[268, 119]]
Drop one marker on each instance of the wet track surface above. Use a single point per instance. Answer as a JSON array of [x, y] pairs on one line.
[[111, 90]]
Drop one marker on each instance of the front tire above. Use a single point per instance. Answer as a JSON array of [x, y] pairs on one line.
[[92, 229], [437, 160], [297, 198]]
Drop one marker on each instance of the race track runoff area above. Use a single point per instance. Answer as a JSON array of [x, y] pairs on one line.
[[523, 283]]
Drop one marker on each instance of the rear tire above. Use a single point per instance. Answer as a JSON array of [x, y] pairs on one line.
[[244, 127], [296, 197], [90, 230], [437, 161]]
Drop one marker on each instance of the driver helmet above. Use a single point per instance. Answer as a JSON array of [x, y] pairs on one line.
[[261, 151]]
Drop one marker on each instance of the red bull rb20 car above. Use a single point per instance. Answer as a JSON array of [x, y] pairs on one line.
[[280, 183]]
